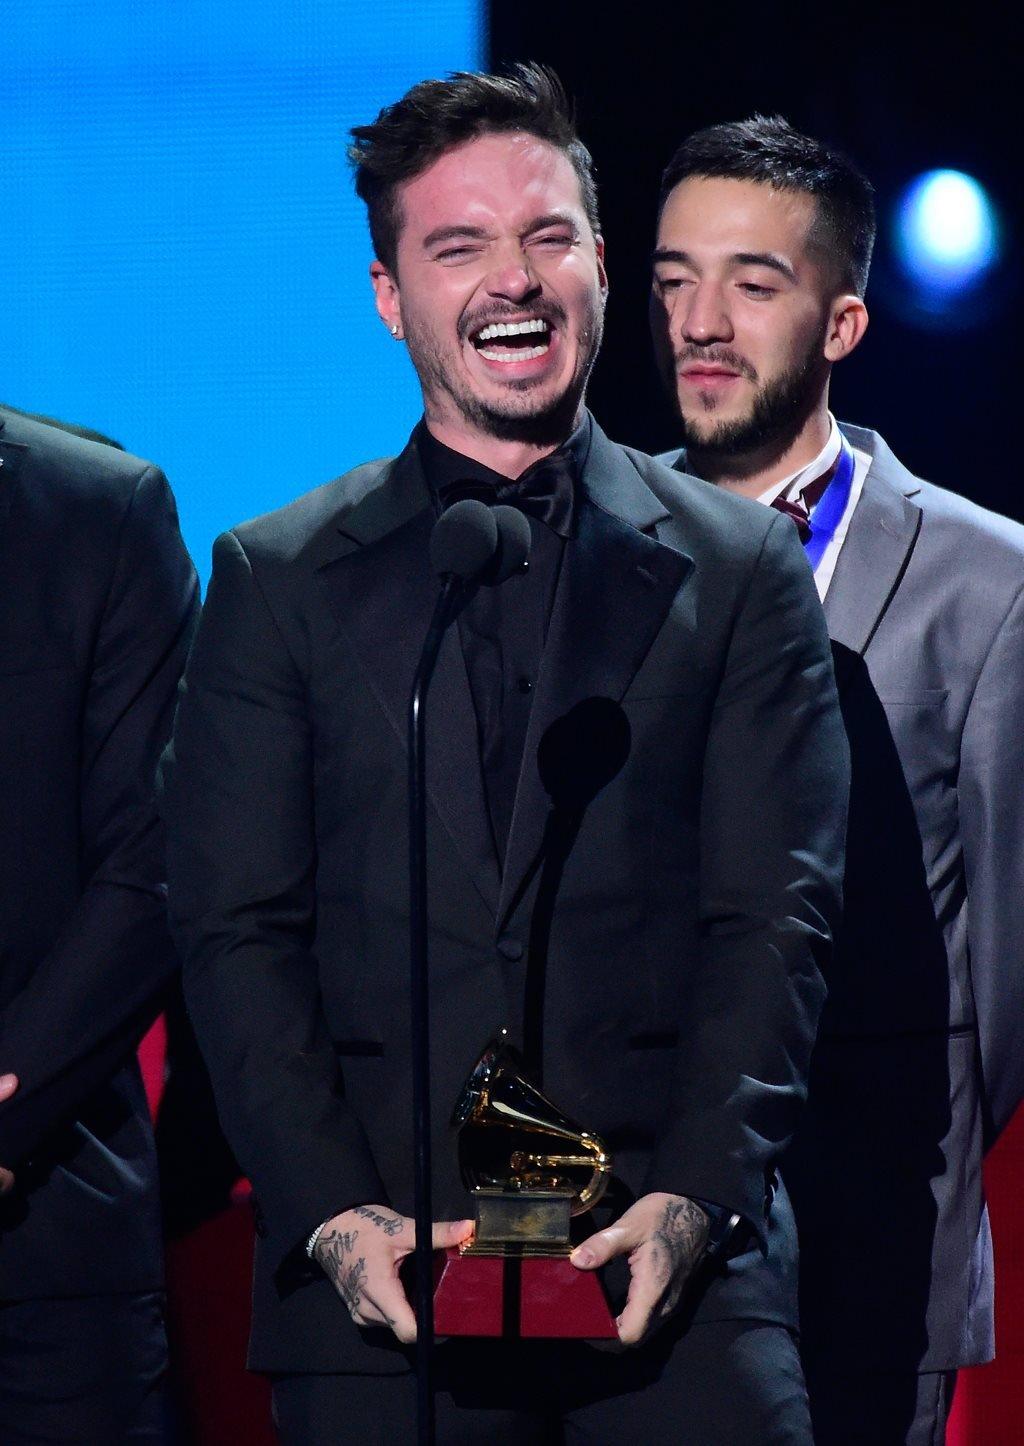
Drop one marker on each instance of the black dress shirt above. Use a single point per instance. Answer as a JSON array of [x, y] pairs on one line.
[[503, 629]]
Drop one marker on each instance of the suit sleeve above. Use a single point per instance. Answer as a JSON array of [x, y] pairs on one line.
[[97, 990], [991, 804], [238, 799], [773, 821]]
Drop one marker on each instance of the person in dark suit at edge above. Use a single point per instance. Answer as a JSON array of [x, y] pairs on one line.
[[97, 610], [638, 784], [763, 248]]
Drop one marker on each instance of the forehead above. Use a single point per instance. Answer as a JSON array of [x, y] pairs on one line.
[[722, 216], [494, 180]]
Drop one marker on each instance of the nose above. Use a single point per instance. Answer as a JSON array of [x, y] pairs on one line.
[[512, 277], [703, 316]]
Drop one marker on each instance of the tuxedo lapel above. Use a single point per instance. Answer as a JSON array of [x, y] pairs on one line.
[[873, 558], [614, 591], [382, 589]]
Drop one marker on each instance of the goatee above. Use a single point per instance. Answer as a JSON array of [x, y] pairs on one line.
[[780, 409]]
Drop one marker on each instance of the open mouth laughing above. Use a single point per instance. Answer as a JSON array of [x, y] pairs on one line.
[[513, 341]]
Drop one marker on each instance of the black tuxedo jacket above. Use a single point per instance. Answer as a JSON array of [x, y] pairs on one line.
[[671, 880], [97, 602]]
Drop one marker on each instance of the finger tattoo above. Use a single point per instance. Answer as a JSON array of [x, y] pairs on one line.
[[390, 1224]]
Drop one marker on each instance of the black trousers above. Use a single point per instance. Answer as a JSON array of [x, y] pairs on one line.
[[86, 1371], [724, 1383]]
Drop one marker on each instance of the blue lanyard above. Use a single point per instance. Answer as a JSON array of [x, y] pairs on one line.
[[828, 514]]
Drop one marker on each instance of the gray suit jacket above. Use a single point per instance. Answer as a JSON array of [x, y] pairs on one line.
[[919, 1063]]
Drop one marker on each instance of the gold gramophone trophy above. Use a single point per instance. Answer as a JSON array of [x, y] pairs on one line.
[[529, 1169]]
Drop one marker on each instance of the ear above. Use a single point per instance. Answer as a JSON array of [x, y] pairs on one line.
[[847, 323], [602, 274], [386, 297]]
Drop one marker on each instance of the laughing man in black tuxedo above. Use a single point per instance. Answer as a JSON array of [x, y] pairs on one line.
[[637, 778]]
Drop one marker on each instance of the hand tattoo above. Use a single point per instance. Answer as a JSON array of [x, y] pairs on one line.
[[676, 1245], [333, 1250], [352, 1283], [390, 1224]]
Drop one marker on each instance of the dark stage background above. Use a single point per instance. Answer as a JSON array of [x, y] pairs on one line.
[[901, 92]]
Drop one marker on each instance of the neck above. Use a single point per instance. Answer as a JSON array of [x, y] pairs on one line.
[[508, 456], [751, 473]]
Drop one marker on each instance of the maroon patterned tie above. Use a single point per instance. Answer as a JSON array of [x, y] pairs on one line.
[[800, 509]]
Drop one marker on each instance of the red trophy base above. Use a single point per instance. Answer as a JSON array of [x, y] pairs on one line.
[[521, 1297]]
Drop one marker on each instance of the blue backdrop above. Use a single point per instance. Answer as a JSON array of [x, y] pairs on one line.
[[184, 260]]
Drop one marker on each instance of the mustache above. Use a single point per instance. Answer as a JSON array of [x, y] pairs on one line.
[[719, 356], [549, 311]]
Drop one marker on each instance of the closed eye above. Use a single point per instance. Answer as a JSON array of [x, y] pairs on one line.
[[456, 253], [554, 239]]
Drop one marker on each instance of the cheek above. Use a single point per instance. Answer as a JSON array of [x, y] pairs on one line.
[[777, 343]]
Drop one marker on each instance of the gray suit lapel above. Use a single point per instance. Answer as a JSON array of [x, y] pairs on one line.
[[878, 546]]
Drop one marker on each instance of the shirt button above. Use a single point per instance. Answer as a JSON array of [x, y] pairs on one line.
[[525, 686], [509, 947]]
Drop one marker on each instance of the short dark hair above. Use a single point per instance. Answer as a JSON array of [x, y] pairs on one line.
[[769, 150], [436, 115]]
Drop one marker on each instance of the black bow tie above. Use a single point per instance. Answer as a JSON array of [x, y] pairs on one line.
[[544, 491]]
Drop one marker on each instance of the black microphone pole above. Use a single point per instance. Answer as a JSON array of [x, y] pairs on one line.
[[463, 543], [420, 999]]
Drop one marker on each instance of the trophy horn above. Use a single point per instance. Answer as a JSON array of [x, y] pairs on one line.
[[511, 1136]]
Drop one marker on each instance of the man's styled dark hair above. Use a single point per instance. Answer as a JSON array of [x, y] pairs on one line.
[[767, 149], [436, 115]]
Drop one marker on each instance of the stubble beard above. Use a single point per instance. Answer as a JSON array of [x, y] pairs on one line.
[[779, 409], [517, 415]]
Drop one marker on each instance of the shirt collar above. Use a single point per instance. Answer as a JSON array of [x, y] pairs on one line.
[[792, 486]]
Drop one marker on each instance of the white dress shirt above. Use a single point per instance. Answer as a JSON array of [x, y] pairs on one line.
[[792, 486]]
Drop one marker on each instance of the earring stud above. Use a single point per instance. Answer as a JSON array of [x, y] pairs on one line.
[[394, 329]]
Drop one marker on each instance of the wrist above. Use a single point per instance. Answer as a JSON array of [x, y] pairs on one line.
[[314, 1237]]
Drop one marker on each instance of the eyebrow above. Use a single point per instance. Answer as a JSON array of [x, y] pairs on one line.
[[766, 258], [741, 258], [452, 233], [555, 218]]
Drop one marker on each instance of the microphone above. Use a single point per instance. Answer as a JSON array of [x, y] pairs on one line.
[[464, 540], [471, 544], [513, 544]]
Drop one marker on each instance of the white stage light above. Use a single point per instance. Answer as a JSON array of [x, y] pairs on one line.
[[946, 235]]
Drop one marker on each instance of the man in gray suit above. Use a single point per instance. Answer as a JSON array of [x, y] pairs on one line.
[[764, 242]]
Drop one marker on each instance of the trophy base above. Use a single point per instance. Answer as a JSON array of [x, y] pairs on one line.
[[519, 1298]]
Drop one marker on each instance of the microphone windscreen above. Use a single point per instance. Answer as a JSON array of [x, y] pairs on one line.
[[513, 544], [464, 539]]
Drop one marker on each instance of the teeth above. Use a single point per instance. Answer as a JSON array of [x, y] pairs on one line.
[[512, 328], [523, 354]]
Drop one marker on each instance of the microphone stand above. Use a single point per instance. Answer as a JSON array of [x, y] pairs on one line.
[[470, 543], [444, 611]]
